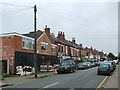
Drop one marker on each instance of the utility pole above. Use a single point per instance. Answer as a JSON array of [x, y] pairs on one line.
[[35, 49], [2, 71], [43, 65]]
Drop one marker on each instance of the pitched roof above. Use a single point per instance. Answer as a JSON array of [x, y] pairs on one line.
[[69, 43], [75, 45], [31, 34], [55, 40]]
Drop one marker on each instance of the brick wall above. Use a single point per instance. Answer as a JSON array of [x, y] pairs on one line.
[[9, 45], [45, 39]]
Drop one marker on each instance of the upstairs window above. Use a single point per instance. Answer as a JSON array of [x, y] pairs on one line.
[[23, 43], [44, 46], [53, 48], [27, 43]]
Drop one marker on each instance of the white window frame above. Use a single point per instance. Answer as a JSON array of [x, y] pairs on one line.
[[46, 44], [53, 46], [27, 42]]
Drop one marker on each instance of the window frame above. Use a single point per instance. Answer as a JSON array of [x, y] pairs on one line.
[[45, 45]]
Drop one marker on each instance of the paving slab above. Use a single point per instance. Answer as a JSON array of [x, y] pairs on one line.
[[21, 79], [113, 80]]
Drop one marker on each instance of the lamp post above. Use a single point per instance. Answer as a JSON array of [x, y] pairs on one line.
[[35, 49]]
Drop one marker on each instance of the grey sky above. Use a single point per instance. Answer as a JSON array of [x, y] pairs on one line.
[[91, 23]]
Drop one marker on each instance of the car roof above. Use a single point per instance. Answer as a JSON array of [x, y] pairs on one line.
[[112, 61], [106, 63]]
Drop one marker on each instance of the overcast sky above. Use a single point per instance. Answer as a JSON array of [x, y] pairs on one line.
[[93, 23]]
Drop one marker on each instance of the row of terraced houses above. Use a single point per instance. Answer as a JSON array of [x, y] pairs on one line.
[[18, 49]]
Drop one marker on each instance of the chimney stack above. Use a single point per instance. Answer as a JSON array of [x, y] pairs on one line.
[[47, 30], [81, 45], [73, 40], [59, 35], [91, 48], [63, 36]]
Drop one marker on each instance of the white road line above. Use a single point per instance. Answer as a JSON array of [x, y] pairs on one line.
[[71, 89], [51, 85]]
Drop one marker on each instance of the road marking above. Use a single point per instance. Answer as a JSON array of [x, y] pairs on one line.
[[102, 83], [71, 89], [51, 85]]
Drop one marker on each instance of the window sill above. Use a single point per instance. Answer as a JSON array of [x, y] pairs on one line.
[[45, 50], [27, 48]]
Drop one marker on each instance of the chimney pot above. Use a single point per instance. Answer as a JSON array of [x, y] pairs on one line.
[[45, 26], [61, 35], [47, 30]]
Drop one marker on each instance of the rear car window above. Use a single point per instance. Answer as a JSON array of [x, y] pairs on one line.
[[104, 65]]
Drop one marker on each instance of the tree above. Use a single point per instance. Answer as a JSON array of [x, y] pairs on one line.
[[111, 56]]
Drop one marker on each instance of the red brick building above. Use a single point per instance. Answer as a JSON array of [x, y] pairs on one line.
[[68, 49], [18, 50], [11, 43]]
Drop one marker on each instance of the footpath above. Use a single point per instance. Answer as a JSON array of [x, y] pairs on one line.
[[21, 79], [112, 83]]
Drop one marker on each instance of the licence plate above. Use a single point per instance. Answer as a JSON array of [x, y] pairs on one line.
[[103, 69]]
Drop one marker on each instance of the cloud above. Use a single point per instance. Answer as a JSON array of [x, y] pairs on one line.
[[92, 23]]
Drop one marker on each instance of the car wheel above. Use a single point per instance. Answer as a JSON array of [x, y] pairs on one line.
[[74, 70], [59, 72], [98, 73], [71, 70], [109, 74]]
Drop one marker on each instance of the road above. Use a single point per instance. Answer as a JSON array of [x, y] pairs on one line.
[[80, 79]]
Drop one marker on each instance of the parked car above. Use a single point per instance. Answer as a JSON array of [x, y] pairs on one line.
[[116, 61], [93, 64], [66, 67], [113, 64], [88, 64], [82, 65], [104, 68]]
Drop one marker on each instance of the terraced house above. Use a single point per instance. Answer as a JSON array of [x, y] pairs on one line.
[[65, 48], [18, 49], [69, 49]]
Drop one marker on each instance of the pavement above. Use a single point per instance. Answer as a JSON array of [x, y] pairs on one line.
[[113, 80], [21, 79]]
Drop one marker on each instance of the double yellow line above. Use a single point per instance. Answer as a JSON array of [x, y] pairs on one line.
[[102, 83]]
